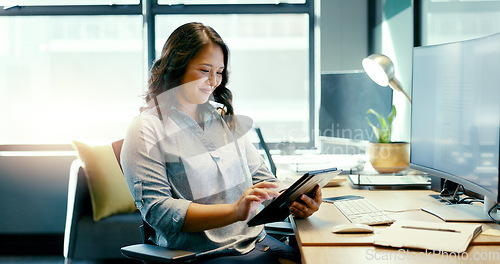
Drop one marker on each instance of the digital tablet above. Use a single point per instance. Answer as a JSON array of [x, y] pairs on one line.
[[278, 210]]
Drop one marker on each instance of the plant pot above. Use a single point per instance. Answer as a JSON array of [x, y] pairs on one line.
[[389, 157]]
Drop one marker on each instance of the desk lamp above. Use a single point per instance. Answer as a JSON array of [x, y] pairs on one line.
[[381, 70], [387, 157]]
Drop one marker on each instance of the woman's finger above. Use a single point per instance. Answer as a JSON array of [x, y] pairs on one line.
[[264, 190], [265, 184], [318, 195], [299, 212], [261, 193], [300, 209], [308, 201]]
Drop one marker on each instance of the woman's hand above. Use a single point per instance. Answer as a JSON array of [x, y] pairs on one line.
[[252, 198], [308, 205]]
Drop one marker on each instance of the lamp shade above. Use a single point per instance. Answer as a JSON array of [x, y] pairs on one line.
[[381, 70]]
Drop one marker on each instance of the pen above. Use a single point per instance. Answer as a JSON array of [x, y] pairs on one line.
[[431, 229]]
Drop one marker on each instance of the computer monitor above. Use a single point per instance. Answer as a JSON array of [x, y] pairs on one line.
[[345, 98], [455, 117]]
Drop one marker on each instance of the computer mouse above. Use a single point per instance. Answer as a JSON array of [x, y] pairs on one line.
[[352, 228]]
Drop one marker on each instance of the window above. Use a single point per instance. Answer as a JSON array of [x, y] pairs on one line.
[[268, 67], [68, 77], [76, 71], [11, 3], [210, 2], [446, 21]]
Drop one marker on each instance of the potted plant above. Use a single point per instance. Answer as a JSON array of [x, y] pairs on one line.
[[385, 155]]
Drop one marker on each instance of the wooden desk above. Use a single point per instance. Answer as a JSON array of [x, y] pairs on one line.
[[319, 245], [366, 254]]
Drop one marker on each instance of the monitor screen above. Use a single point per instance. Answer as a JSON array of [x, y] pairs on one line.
[[456, 113], [345, 98]]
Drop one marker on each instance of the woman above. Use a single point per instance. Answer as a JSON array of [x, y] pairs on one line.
[[193, 174]]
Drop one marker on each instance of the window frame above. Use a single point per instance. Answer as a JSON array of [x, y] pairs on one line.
[[150, 8]]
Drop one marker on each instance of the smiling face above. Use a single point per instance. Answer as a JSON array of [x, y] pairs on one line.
[[203, 74]]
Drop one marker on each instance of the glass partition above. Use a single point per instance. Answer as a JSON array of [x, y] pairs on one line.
[[67, 77], [269, 67]]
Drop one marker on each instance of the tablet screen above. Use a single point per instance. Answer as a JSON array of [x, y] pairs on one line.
[[278, 210]]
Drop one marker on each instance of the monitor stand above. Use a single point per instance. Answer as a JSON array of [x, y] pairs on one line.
[[463, 212]]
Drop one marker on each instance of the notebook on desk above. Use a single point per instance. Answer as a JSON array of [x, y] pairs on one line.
[[437, 236], [389, 180]]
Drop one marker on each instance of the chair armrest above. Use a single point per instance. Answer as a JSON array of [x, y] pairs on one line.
[[279, 228], [77, 190], [156, 253]]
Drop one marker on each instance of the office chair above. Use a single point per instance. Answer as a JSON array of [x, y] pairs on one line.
[[150, 253], [262, 144], [283, 230]]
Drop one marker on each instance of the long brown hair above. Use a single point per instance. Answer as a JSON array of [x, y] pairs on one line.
[[181, 46]]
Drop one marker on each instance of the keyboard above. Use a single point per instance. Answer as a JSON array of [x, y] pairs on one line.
[[363, 211]]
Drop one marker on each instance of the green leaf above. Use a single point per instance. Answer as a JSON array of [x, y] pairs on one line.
[[390, 118], [375, 129], [381, 119], [383, 133], [379, 131], [392, 115]]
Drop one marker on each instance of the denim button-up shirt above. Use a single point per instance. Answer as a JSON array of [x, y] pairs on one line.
[[171, 161]]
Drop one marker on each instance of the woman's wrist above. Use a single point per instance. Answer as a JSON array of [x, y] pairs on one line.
[[235, 213]]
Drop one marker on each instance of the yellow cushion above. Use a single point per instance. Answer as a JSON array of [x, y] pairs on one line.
[[109, 193]]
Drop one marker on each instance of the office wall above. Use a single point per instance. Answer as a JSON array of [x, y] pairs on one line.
[[344, 34], [344, 44], [393, 36]]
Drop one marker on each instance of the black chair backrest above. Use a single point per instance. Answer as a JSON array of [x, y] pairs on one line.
[[147, 232], [117, 149], [264, 146]]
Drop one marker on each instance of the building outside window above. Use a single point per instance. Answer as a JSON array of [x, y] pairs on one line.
[[77, 71]]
